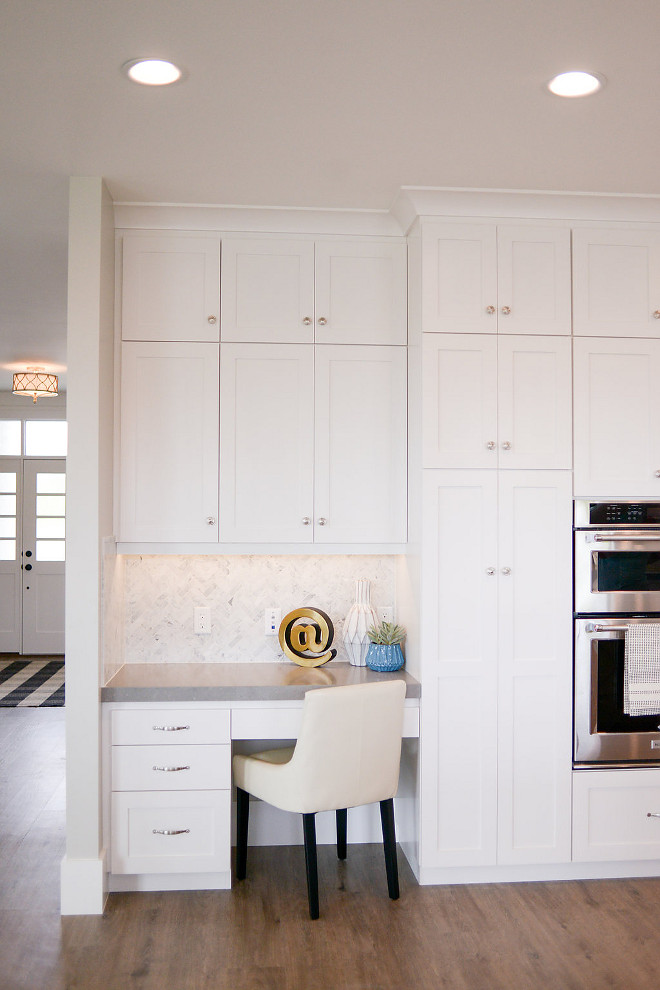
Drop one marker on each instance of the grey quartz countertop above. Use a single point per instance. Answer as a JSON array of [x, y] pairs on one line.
[[281, 681]]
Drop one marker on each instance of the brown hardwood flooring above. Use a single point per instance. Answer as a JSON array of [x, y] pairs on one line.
[[552, 936]]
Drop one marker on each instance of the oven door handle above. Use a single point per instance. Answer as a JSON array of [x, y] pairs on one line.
[[597, 627], [625, 537]]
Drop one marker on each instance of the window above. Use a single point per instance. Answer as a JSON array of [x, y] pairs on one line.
[[10, 437], [8, 483], [45, 438], [50, 516]]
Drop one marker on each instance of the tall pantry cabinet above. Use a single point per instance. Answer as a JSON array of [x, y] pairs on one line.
[[490, 403]]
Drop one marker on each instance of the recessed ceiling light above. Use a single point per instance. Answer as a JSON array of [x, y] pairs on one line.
[[576, 83], [152, 71]]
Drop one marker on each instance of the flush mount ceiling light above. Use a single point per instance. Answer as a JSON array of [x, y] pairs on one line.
[[35, 382], [152, 71], [576, 83]]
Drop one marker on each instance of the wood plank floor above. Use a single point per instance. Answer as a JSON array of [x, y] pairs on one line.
[[594, 935]]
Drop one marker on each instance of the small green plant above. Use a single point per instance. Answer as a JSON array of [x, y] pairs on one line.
[[386, 634]]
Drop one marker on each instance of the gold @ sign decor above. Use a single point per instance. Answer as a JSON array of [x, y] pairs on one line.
[[306, 636]]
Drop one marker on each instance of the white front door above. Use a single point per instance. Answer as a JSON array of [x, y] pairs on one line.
[[42, 561]]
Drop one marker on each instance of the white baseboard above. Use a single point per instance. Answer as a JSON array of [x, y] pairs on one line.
[[169, 881], [82, 885], [438, 876]]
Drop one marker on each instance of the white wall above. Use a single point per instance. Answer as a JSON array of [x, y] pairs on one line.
[[89, 519]]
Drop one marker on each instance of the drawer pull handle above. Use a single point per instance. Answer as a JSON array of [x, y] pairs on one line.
[[170, 769], [169, 728], [653, 814], [170, 831]]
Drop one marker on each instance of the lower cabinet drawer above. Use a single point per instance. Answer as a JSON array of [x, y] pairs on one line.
[[184, 832], [616, 815], [170, 768]]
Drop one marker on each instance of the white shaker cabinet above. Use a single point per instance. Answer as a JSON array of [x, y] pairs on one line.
[[170, 287], [496, 778], [617, 411], [496, 401], [334, 291], [169, 442], [616, 290], [616, 814], [313, 444], [487, 278]]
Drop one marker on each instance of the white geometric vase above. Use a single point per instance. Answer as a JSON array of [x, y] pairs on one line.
[[360, 618]]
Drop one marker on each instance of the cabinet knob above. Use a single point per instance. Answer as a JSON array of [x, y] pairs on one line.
[[506, 445], [656, 314], [491, 445], [307, 321], [506, 571], [322, 321], [210, 520], [306, 520], [490, 310], [506, 310], [657, 474], [321, 520], [212, 319], [490, 571]]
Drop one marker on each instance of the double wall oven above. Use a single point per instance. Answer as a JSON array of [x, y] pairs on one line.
[[617, 584]]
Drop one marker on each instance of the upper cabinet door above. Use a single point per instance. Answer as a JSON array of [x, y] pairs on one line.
[[267, 290], [460, 401], [616, 284], [534, 280], [169, 442], [267, 443], [617, 411], [170, 287], [459, 277], [360, 455], [534, 402], [361, 292]]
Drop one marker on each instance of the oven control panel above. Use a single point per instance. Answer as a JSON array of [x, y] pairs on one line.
[[606, 514]]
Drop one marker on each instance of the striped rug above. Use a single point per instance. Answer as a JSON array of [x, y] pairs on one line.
[[34, 683]]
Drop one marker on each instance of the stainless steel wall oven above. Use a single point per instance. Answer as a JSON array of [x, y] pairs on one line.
[[616, 584]]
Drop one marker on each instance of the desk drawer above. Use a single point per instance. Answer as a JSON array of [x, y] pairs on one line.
[[171, 833], [284, 723], [170, 768], [169, 727]]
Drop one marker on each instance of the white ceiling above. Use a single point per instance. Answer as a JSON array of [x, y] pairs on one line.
[[326, 103]]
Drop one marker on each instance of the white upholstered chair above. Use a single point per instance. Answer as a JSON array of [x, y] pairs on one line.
[[347, 754]]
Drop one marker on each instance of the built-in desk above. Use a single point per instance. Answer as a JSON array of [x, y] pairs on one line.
[[169, 731]]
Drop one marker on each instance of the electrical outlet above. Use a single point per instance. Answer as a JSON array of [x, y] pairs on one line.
[[202, 620], [272, 619], [386, 613]]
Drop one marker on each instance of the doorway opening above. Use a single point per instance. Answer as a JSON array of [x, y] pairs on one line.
[[32, 535]]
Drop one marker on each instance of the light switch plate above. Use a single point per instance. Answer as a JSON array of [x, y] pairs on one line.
[[272, 620], [202, 620]]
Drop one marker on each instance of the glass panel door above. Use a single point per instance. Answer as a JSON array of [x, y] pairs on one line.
[[44, 498]]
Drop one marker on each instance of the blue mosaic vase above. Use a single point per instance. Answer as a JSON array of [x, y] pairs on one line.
[[383, 657]]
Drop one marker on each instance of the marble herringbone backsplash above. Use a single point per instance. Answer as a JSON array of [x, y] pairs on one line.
[[160, 592]]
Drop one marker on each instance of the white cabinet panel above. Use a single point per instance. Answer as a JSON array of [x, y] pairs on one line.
[[534, 426], [336, 291], [169, 727], [170, 287], [179, 832], [617, 409], [616, 815], [534, 280], [459, 727], [487, 278], [535, 667], [496, 401], [360, 292], [460, 401], [267, 290], [497, 642], [616, 282], [267, 443], [169, 442], [459, 277], [360, 450]]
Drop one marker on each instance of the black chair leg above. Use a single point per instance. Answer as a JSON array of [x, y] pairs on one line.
[[389, 847], [309, 831], [242, 817], [341, 814]]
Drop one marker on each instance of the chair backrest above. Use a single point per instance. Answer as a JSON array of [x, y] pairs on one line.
[[349, 746]]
